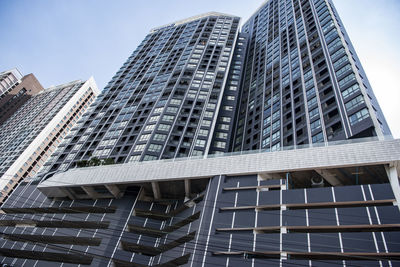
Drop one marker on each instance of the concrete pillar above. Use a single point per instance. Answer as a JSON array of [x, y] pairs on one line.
[[114, 190], [90, 191], [394, 182], [187, 188], [156, 190]]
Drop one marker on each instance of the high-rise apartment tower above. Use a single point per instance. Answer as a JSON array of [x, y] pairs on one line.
[[15, 90], [303, 82], [164, 101], [35, 130], [285, 88]]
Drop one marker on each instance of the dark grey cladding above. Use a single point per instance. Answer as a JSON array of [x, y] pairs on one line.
[[231, 223]]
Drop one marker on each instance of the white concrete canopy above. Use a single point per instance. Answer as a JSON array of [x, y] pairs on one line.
[[386, 152]]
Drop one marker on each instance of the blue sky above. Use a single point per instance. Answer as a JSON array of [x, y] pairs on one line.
[[64, 40]]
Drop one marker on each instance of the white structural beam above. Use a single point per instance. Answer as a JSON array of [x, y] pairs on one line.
[[393, 176], [187, 188], [270, 176], [156, 190], [330, 177], [67, 193], [91, 192], [114, 190]]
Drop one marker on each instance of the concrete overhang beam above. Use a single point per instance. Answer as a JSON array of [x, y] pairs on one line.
[[330, 177]]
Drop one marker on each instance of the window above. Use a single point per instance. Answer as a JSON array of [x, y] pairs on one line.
[[134, 158], [172, 109], [197, 153], [267, 131], [328, 26], [154, 118], [276, 125], [310, 92], [158, 110], [203, 132], [154, 148], [267, 121], [351, 90], [226, 119], [200, 143], [206, 123], [312, 102], [63, 167], [315, 125], [228, 108], [265, 142], [159, 137], [276, 147], [220, 144], [307, 75], [164, 127], [313, 113], [101, 152], [222, 135], [338, 53], [71, 156], [347, 79], [359, 116], [83, 138], [149, 157], [211, 106], [276, 115], [77, 147], [340, 61], [354, 102], [223, 127], [335, 44], [150, 127], [343, 70], [309, 83], [168, 118], [144, 137], [175, 101], [276, 136], [139, 148], [208, 114], [319, 137]]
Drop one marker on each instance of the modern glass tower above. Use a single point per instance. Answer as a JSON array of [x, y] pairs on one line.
[[303, 82], [164, 101], [284, 88]]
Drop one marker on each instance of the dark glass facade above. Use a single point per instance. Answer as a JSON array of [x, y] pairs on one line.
[[303, 82], [164, 101]]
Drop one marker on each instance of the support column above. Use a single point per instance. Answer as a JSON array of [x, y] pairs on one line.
[[66, 192], [393, 176], [156, 190], [329, 177], [114, 190], [187, 188], [90, 191]]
